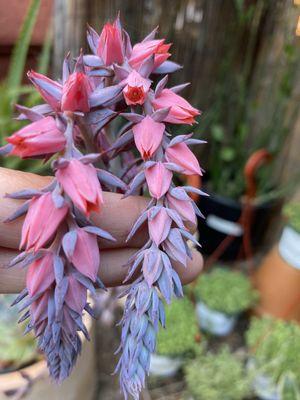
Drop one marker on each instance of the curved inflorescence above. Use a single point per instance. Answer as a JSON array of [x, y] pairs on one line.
[[59, 240]]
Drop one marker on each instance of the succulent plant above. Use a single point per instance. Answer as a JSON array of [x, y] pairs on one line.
[[292, 213], [275, 347], [226, 291], [217, 376], [15, 348], [181, 330]]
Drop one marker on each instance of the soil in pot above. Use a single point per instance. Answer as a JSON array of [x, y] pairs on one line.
[[222, 216]]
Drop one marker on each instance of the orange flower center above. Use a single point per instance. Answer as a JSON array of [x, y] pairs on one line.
[[135, 93]]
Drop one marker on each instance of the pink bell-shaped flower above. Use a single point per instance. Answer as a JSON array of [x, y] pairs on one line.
[[110, 46], [81, 183], [181, 155], [38, 138], [40, 274], [159, 224], [181, 112], [141, 51], [75, 94], [159, 179], [86, 257], [148, 136], [41, 222]]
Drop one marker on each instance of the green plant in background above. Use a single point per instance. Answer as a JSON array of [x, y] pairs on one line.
[[289, 388], [217, 376], [228, 124], [292, 212], [12, 90], [16, 349], [181, 330], [274, 346], [225, 291]]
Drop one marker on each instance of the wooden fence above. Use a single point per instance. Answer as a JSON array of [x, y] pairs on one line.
[[217, 41]]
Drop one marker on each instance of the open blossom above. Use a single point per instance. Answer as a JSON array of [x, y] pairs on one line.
[[181, 155], [49, 90], [75, 93], [181, 111], [38, 138], [143, 50], [148, 136], [136, 88], [85, 256], [110, 45], [81, 183], [158, 179], [41, 222]]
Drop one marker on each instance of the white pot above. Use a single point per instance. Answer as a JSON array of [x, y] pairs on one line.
[[164, 366], [215, 322], [262, 385], [265, 389], [289, 247]]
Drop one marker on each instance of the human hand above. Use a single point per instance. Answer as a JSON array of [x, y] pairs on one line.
[[117, 217]]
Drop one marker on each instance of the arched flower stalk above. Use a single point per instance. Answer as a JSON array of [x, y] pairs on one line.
[[76, 126], [59, 240], [168, 215], [151, 111]]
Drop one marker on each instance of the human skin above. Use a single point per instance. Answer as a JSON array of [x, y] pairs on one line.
[[117, 217]]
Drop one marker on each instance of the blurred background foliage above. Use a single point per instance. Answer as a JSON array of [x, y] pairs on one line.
[[13, 89], [234, 48]]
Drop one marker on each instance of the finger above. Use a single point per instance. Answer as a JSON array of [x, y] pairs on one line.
[[117, 216], [112, 271]]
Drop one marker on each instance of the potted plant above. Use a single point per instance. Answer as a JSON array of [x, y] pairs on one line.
[[177, 341], [221, 296], [280, 271], [23, 371], [16, 350], [274, 347], [217, 376]]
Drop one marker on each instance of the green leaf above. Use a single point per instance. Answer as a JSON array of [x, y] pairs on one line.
[[227, 154], [19, 55], [217, 133], [288, 387]]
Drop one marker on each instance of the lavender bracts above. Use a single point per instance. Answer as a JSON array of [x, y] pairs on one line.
[[58, 236], [170, 210], [60, 241]]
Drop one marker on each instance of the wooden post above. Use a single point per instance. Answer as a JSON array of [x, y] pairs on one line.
[[70, 18]]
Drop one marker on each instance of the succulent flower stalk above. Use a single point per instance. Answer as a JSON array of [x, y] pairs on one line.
[[60, 240]]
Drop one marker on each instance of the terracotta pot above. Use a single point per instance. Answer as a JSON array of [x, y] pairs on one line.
[[35, 383], [278, 279], [195, 181]]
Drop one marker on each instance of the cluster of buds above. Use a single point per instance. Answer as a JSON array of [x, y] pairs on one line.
[[59, 240]]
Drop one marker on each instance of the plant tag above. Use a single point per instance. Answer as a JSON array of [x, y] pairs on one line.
[[224, 226]]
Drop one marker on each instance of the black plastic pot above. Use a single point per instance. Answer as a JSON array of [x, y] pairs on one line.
[[222, 216]]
